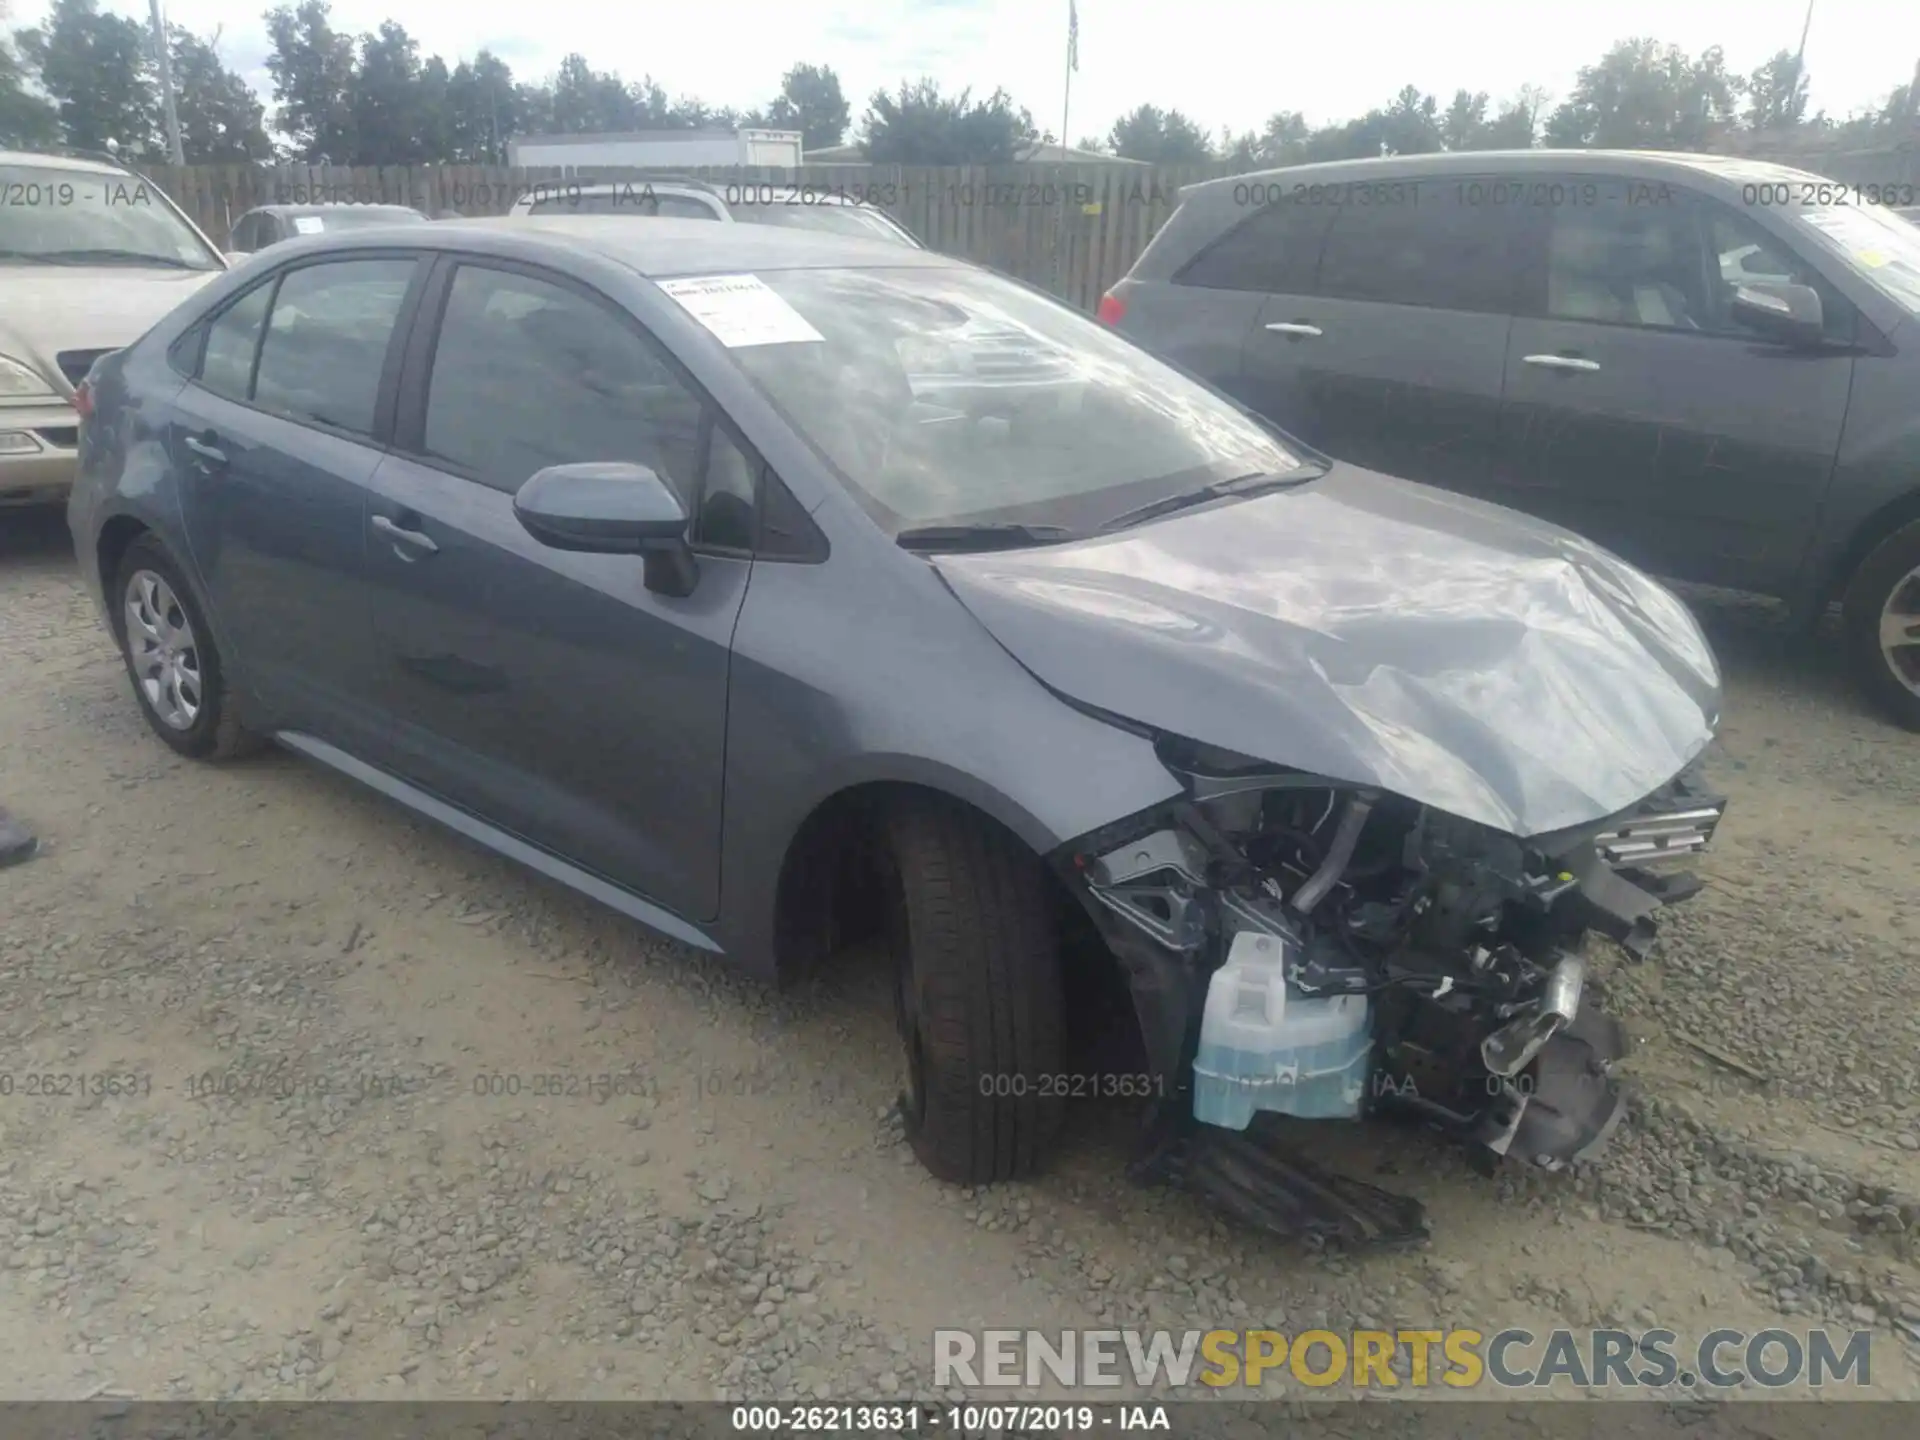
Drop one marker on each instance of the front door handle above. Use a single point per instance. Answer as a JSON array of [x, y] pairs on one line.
[[1298, 329], [416, 540], [1562, 362], [210, 455]]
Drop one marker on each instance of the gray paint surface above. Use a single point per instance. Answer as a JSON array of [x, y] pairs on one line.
[[1706, 457], [673, 748], [1377, 632]]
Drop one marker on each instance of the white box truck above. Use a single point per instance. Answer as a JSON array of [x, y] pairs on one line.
[[657, 149]]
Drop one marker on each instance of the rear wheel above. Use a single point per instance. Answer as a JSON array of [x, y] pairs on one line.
[[171, 658], [976, 960], [1882, 617]]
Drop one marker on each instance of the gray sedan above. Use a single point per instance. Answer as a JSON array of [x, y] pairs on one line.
[[713, 572]]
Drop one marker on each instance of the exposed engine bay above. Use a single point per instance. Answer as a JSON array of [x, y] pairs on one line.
[[1307, 948]]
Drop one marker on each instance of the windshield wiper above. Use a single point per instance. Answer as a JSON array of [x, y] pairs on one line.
[[1240, 485], [123, 257], [32, 256], [998, 536]]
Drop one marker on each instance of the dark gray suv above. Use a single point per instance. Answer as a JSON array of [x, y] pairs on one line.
[[1708, 365]]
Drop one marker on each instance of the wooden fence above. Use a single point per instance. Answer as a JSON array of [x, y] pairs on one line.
[[1072, 230]]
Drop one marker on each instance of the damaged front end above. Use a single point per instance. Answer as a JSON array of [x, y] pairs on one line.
[[1305, 947]]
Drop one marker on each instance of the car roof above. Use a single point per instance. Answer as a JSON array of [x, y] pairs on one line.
[[795, 194], [660, 247], [64, 162], [1650, 165], [323, 206]]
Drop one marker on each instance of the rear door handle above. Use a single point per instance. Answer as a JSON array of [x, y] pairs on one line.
[[211, 455], [414, 539], [1298, 328], [1561, 362]]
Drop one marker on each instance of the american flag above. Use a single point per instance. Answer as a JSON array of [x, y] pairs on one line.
[[1073, 35]]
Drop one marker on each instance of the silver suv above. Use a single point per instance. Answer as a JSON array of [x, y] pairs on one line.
[[91, 254], [748, 203]]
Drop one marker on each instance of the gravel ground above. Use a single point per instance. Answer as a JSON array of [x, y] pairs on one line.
[[315, 1154]]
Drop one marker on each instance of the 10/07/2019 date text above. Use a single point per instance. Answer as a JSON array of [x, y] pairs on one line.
[[959, 1420]]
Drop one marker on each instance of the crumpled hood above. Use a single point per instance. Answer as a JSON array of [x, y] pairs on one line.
[[1379, 632], [45, 309]]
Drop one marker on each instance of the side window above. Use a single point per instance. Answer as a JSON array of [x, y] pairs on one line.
[[1742, 253], [1430, 245], [1622, 263], [528, 374], [226, 366], [240, 239], [326, 341], [730, 496], [1275, 250]]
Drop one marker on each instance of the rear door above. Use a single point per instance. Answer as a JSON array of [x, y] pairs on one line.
[[1393, 357], [1640, 413], [275, 440], [549, 692]]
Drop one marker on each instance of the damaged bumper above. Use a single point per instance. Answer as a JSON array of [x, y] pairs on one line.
[[1298, 948]]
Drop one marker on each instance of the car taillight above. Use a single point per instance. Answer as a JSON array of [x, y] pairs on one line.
[[83, 400], [1112, 309]]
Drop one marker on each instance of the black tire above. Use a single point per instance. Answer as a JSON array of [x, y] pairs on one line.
[[1887, 574], [215, 732], [978, 986]]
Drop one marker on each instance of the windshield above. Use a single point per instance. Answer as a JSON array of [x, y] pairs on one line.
[[54, 215], [1880, 245], [949, 396], [835, 219], [352, 217]]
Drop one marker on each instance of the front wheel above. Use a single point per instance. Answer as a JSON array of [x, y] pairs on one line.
[[976, 957], [171, 658], [1882, 618]]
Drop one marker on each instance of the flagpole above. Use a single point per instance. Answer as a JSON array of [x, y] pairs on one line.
[[1066, 104]]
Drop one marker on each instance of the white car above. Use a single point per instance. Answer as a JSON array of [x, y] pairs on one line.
[[91, 254], [747, 203]]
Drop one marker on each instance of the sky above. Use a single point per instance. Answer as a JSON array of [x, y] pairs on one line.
[[1225, 63]]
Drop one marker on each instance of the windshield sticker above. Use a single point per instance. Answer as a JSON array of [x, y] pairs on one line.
[[308, 224], [741, 310], [1872, 259]]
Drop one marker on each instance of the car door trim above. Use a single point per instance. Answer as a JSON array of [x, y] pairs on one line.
[[501, 842]]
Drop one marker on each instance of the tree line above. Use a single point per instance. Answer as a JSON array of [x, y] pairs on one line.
[[88, 79]]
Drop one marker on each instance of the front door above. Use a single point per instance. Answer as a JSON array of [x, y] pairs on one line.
[[276, 439], [1640, 413], [551, 693]]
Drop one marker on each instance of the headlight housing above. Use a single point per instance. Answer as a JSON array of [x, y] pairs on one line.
[[20, 381]]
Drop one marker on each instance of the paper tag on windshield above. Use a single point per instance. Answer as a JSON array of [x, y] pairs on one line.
[[741, 310], [308, 224]]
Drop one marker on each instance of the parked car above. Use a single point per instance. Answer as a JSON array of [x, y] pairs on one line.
[[91, 253], [791, 206], [1692, 360], [266, 225], [629, 552]]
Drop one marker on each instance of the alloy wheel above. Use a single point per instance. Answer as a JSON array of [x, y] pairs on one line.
[[1900, 630], [163, 651]]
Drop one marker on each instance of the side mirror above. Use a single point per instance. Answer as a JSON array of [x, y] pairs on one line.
[[1780, 311], [611, 508]]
